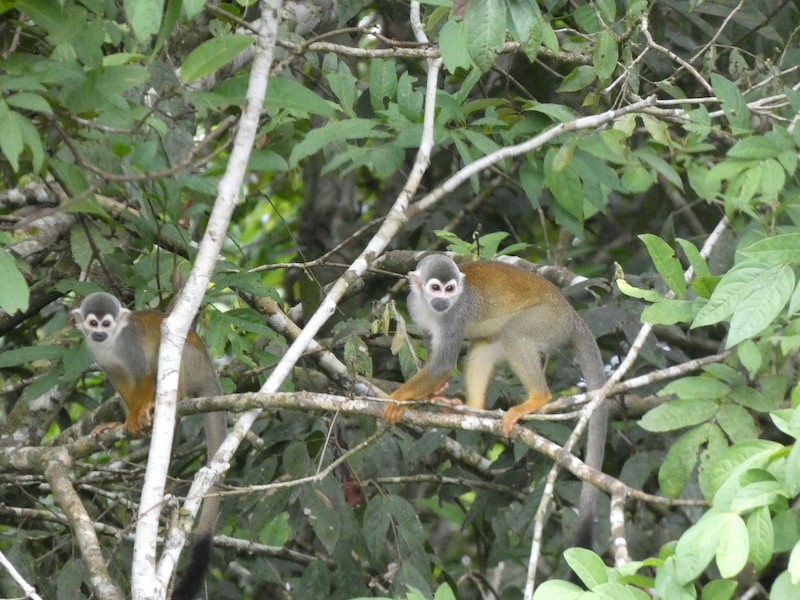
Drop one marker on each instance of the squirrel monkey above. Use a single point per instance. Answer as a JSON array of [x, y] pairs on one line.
[[506, 313], [125, 345]]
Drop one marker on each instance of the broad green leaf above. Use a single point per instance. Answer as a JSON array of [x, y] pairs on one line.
[[733, 103], [619, 591], [144, 17], [758, 494], [696, 388], [784, 588], [382, 82], [284, 92], [734, 546], [793, 470], [669, 312], [343, 84], [28, 101], [11, 139], [443, 592], [589, 567], [720, 477], [557, 112], [698, 545], [27, 354], [778, 249], [794, 564], [734, 286], [663, 257], [453, 46], [718, 589], [606, 54], [558, 590], [677, 414], [761, 536], [694, 257], [14, 293], [737, 423], [566, 187], [680, 461], [608, 10], [212, 55], [773, 177], [335, 131], [634, 292], [577, 79], [750, 356], [756, 147], [30, 137], [484, 29], [663, 168], [759, 308]]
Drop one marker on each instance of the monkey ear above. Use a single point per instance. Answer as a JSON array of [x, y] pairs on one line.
[[76, 314], [415, 278], [122, 316]]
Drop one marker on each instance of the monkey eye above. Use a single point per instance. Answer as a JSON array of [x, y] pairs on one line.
[[107, 323], [436, 287], [450, 288], [93, 323]]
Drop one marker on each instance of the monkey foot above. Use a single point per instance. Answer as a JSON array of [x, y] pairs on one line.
[[103, 427], [509, 420], [392, 412]]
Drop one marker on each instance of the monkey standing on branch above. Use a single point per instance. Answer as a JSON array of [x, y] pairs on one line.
[[507, 313], [125, 345]]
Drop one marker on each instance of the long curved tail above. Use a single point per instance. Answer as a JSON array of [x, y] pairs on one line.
[[189, 585], [591, 365]]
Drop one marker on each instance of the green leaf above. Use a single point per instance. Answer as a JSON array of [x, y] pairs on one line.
[[608, 10], [680, 461], [443, 592], [697, 546], [677, 414], [212, 55], [733, 103], [734, 546], [284, 92], [761, 306], [634, 292], [663, 257], [761, 536], [485, 30], [669, 312], [606, 54], [558, 590], [28, 101], [11, 140], [758, 494], [14, 293], [756, 147], [335, 131], [453, 46], [382, 82], [720, 477], [144, 17], [589, 567], [732, 289], [749, 356], [28, 354], [696, 388], [577, 79], [778, 249], [694, 257], [737, 423]]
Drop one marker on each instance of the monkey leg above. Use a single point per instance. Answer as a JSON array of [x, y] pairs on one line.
[[526, 364], [478, 370]]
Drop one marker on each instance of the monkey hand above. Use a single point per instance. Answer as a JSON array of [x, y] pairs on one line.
[[140, 419], [99, 429], [392, 412]]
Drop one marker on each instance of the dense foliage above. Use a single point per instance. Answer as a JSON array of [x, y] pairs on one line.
[[648, 145]]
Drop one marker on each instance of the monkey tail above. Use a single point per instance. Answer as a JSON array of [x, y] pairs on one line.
[[591, 365], [194, 574], [190, 584]]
